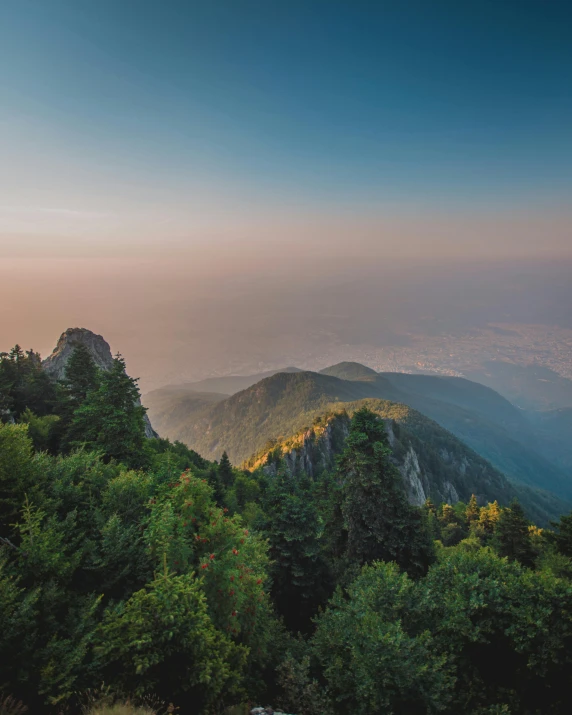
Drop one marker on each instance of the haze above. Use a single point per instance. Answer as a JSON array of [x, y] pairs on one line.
[[233, 186]]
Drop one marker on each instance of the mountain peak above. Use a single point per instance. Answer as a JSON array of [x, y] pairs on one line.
[[350, 371], [98, 347], [55, 364]]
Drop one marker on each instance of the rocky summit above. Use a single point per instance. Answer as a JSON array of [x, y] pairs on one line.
[[98, 347], [55, 364]]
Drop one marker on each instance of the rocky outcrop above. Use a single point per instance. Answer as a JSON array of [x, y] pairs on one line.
[[315, 450], [432, 463], [412, 478], [55, 364]]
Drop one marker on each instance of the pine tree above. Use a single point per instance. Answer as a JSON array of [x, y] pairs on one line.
[[380, 522], [111, 418], [472, 511], [512, 538], [81, 374], [487, 522], [300, 579], [225, 471], [451, 530], [563, 537]]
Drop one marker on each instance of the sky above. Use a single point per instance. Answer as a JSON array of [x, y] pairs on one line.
[[153, 145]]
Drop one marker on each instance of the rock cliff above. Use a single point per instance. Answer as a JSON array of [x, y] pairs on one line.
[[55, 364], [445, 470]]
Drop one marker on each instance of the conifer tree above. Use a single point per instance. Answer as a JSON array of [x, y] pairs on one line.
[[563, 536], [380, 522], [111, 418], [451, 530], [512, 538], [472, 511], [300, 579], [487, 521], [225, 471], [81, 374]]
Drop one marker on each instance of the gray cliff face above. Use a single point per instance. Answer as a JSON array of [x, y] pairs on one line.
[[99, 349], [317, 453], [55, 364]]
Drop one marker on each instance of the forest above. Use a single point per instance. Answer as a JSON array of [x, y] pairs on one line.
[[132, 570]]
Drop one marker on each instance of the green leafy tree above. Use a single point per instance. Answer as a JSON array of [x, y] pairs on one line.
[[380, 523], [512, 537], [451, 529], [477, 635], [41, 430], [111, 418], [163, 640], [371, 661], [505, 631]]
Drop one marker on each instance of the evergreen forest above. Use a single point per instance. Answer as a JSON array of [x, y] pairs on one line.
[[135, 570]]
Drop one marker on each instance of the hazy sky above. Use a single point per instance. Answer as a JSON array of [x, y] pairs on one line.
[[154, 147]]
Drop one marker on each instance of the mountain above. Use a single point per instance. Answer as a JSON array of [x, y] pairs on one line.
[[432, 462], [350, 371], [173, 406], [55, 364], [230, 384], [531, 387], [483, 419], [555, 430], [273, 407]]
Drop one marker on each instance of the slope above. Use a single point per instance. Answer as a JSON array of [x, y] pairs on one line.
[[432, 462]]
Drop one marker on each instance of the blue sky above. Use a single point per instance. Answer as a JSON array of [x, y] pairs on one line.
[[130, 107]]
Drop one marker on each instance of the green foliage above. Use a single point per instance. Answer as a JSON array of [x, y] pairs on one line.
[[563, 536], [81, 374], [111, 420], [225, 471], [477, 634], [41, 430], [163, 639], [300, 692], [78, 575], [17, 473], [139, 563], [512, 538], [369, 659], [23, 384], [380, 523], [301, 579]]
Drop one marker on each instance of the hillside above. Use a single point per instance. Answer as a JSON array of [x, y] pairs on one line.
[[230, 384], [171, 407], [281, 403], [275, 406], [555, 430], [433, 462]]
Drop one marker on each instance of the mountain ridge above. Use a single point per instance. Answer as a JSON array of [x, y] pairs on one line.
[[274, 406]]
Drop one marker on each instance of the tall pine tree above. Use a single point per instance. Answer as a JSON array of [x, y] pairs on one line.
[[111, 418], [225, 472], [81, 374], [512, 538], [380, 522]]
